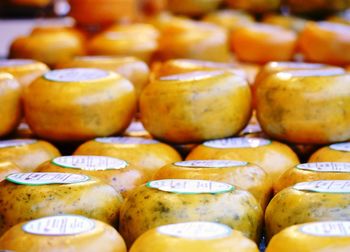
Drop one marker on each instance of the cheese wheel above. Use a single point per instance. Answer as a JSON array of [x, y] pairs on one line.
[[92, 102], [325, 236], [10, 100], [27, 154], [7, 168], [146, 155], [320, 200], [168, 201], [244, 175], [27, 196], [115, 172], [193, 236], [72, 233], [316, 111], [192, 7], [272, 156], [138, 29], [338, 152], [256, 6], [195, 106]]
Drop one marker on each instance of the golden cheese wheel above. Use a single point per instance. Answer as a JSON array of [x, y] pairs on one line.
[[7, 168], [338, 152], [27, 196], [138, 29], [10, 100], [192, 7], [323, 236], [244, 175], [193, 236], [196, 106], [319, 200], [272, 156], [72, 233], [92, 102], [147, 155], [168, 201], [27, 154]]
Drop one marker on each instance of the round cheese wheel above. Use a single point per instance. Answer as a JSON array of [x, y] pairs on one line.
[[146, 155], [193, 236], [192, 7], [72, 233], [115, 172], [10, 100], [195, 106], [143, 29], [242, 174], [256, 6], [319, 200], [7, 168], [27, 196], [27, 154], [168, 201], [272, 156], [338, 152], [313, 237], [92, 102]]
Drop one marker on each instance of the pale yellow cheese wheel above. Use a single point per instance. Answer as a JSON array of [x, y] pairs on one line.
[[338, 152]]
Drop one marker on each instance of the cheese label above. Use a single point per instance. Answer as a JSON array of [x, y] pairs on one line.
[[125, 140], [324, 186], [237, 142], [327, 228], [210, 163], [16, 142], [60, 225], [325, 167], [15, 62], [340, 147], [199, 230], [90, 163], [190, 186], [46, 178], [76, 75]]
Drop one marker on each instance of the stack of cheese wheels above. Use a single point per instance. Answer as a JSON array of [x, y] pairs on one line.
[[27, 196], [193, 236], [27, 154], [62, 233], [318, 200], [7, 168], [196, 106], [272, 156], [147, 155], [244, 175], [92, 102], [193, 7], [10, 100], [115, 172], [256, 6], [338, 152], [311, 237], [168, 201]]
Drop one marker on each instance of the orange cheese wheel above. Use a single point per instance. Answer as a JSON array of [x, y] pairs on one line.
[[338, 152], [7, 168]]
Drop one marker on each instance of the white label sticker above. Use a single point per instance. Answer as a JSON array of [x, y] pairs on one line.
[[325, 167], [46, 178], [210, 163], [15, 62], [60, 225], [76, 75], [16, 142], [199, 230], [237, 142], [340, 147], [324, 186], [327, 228], [125, 140], [90, 163], [190, 186]]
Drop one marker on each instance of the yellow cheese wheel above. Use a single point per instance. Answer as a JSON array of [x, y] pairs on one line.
[[27, 154], [168, 201], [192, 7], [7, 168], [196, 106], [272, 156], [92, 102], [72, 233], [147, 155], [193, 236], [10, 100], [338, 152], [244, 175], [27, 196]]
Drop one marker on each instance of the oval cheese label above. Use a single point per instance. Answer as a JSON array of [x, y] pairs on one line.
[[237, 142], [76, 75], [16, 142], [210, 163], [125, 140], [324, 186], [340, 147], [190, 186], [90, 163], [327, 228], [198, 230], [325, 167], [46, 178], [15, 62], [60, 225]]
